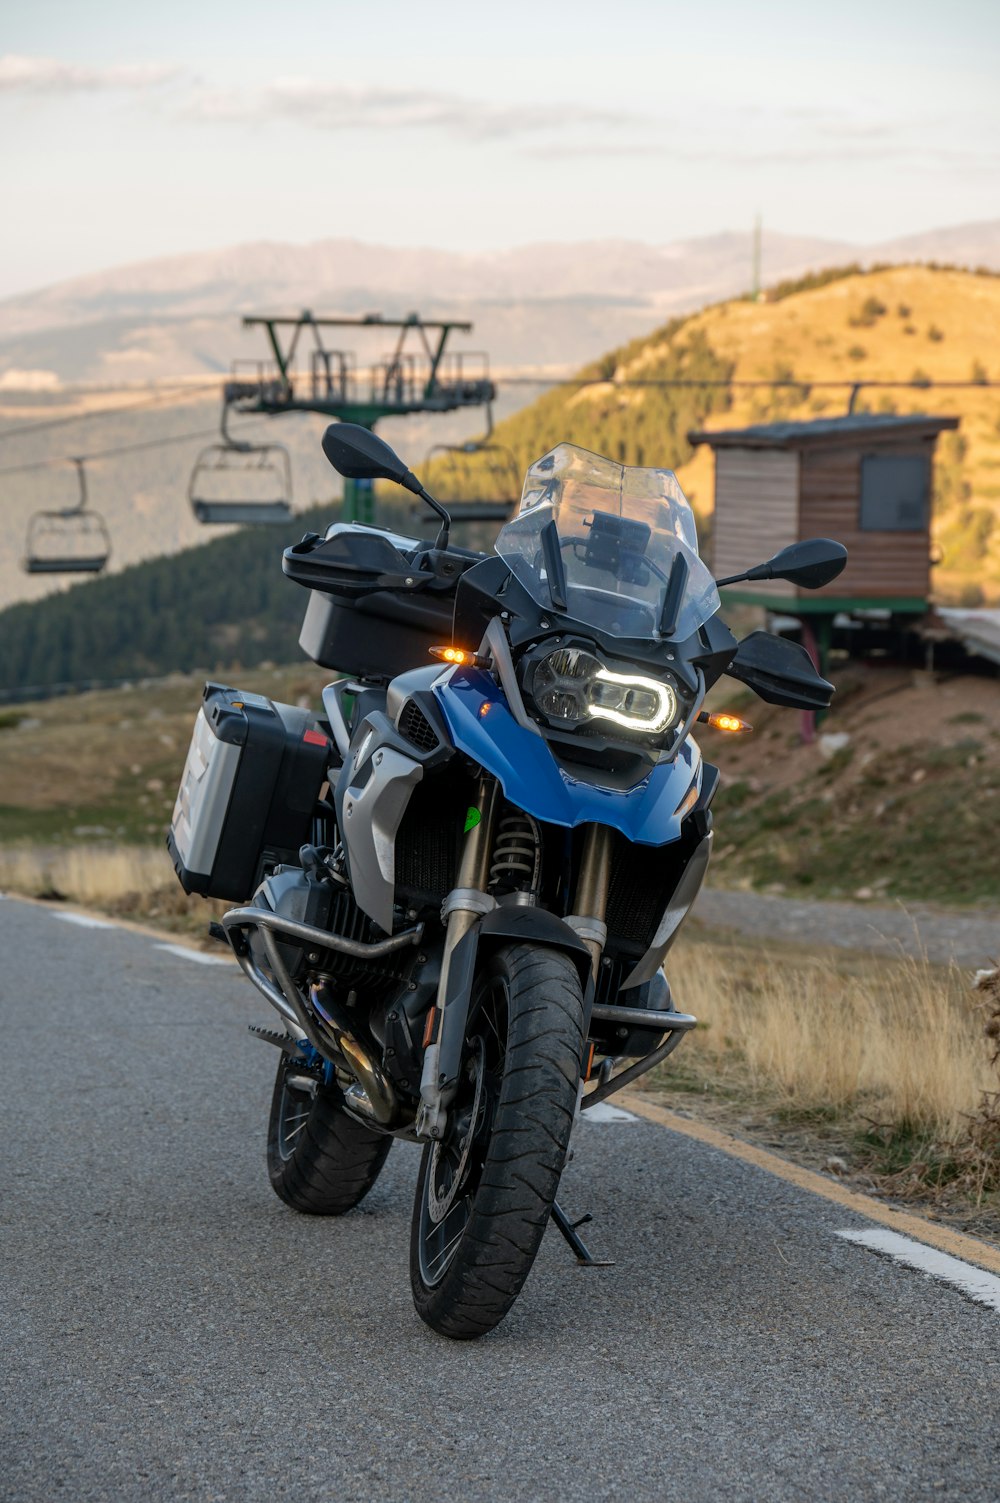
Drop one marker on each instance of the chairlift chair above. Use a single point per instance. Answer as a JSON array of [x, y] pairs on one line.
[[237, 483], [479, 481], [72, 540]]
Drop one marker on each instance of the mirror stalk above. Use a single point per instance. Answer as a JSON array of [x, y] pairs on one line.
[[811, 563], [762, 571], [411, 483]]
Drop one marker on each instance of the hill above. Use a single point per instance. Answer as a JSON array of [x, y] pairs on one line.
[[906, 323], [546, 304], [542, 304]]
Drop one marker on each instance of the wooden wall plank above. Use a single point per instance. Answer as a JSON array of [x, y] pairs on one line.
[[880, 564], [756, 509]]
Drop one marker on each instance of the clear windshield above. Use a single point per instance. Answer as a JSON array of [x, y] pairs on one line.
[[610, 545]]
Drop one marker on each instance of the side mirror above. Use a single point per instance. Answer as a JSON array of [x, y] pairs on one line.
[[810, 564], [358, 454]]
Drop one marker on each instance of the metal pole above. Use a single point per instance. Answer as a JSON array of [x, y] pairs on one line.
[[756, 258], [591, 898]]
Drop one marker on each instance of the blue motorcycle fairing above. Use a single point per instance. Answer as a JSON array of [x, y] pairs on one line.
[[481, 725]]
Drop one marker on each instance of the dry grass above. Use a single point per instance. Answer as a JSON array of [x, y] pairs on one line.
[[85, 874], [896, 1048], [899, 1043], [134, 882]]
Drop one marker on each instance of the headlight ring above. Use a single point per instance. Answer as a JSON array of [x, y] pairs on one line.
[[572, 687]]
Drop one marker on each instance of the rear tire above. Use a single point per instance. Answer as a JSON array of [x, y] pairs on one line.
[[320, 1160], [485, 1192]]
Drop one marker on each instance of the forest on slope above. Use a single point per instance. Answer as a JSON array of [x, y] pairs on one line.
[[225, 602]]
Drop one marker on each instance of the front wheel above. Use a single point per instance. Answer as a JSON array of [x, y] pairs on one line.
[[486, 1189]]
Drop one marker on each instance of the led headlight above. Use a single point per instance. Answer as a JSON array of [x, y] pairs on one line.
[[574, 686]]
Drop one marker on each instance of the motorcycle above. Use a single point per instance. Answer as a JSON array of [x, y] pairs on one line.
[[459, 885]]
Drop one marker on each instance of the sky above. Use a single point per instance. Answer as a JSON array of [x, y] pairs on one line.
[[130, 131]]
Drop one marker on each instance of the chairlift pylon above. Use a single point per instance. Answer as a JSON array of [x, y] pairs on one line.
[[251, 470], [70, 540]]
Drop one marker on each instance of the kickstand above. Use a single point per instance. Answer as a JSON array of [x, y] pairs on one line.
[[568, 1229]]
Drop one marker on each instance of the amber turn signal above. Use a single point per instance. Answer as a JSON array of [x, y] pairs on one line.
[[726, 722], [457, 655]]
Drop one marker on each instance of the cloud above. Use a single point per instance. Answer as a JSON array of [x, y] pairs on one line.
[[337, 107], [566, 150], [47, 75], [861, 147]]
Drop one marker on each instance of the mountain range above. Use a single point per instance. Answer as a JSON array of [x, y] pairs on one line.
[[546, 305]]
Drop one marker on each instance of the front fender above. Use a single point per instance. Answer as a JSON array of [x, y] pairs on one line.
[[507, 924], [481, 725]]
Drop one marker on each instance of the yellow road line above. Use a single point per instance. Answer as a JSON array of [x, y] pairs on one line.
[[929, 1232]]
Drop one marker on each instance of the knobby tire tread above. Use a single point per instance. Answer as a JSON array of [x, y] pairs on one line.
[[527, 1150]]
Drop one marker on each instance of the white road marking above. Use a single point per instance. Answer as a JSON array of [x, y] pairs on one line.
[[605, 1112], [83, 921], [194, 955], [974, 1282]]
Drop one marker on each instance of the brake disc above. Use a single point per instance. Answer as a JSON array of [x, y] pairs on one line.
[[439, 1205]]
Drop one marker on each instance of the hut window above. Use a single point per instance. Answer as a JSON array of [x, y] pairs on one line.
[[895, 493]]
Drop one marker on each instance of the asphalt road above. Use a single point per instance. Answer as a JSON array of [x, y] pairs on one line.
[[970, 939], [169, 1330]]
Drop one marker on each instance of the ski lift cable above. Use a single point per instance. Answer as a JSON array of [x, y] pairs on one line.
[[579, 381], [790, 382], [174, 390], [151, 443]]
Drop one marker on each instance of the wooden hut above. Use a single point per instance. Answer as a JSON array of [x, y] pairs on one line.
[[865, 479]]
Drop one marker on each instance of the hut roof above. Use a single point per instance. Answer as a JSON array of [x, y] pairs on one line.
[[824, 432]]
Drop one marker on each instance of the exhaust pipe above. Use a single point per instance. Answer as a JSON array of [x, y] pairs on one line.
[[378, 1100], [330, 1029]]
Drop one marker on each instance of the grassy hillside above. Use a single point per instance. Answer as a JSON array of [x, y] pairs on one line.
[[905, 806], [902, 323], [919, 768]]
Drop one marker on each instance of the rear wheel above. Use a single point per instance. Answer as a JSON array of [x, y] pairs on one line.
[[319, 1159], [485, 1191]]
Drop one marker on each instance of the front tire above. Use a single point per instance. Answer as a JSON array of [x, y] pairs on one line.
[[485, 1192], [319, 1160]]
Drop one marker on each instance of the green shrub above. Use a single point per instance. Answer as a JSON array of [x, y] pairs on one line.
[[871, 311]]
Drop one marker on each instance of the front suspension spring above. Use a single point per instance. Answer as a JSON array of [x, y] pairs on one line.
[[516, 852]]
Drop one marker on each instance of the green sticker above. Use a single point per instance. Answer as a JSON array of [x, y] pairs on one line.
[[472, 819]]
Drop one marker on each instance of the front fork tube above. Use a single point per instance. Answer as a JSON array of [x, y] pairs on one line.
[[470, 900], [465, 904], [590, 901]]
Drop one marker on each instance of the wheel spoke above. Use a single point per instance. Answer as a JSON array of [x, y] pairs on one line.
[[293, 1120], [439, 1262], [463, 1153]]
